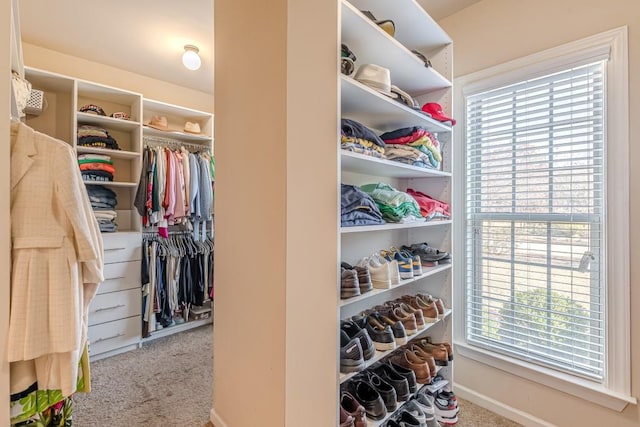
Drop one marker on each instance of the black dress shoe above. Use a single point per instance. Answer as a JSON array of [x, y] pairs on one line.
[[397, 381], [407, 420], [408, 374], [354, 331], [386, 390], [369, 398]]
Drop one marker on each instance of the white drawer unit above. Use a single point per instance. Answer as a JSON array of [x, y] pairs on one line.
[[114, 306], [114, 335], [120, 276], [122, 247]]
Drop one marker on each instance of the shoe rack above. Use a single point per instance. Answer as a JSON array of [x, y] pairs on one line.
[[415, 30]]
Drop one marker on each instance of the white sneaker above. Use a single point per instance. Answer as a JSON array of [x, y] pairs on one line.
[[379, 272], [425, 402], [394, 271]]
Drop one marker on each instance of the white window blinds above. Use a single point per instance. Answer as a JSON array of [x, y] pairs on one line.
[[535, 208]]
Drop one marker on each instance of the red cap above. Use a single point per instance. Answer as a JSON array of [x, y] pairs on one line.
[[436, 112]]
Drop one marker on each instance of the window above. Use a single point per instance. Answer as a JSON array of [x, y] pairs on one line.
[[541, 183], [535, 220]]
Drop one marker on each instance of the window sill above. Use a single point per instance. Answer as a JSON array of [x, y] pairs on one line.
[[577, 387]]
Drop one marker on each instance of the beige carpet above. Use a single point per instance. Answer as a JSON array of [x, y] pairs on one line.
[[167, 383]]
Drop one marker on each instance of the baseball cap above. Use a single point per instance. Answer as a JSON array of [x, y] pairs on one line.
[[436, 112]]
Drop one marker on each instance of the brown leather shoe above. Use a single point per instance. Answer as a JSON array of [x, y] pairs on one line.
[[395, 313], [446, 345], [346, 420], [439, 352], [427, 357], [415, 311], [354, 409], [428, 299], [429, 311], [409, 360]]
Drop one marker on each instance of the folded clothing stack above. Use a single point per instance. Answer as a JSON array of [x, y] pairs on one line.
[[106, 220], [358, 208], [93, 136], [414, 146], [96, 167], [430, 208], [358, 138], [103, 201], [395, 205]]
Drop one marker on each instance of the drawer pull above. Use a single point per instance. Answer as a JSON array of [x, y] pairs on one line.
[[114, 278], [113, 307], [114, 249], [108, 338]]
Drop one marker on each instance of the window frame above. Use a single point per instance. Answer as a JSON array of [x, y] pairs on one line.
[[615, 391]]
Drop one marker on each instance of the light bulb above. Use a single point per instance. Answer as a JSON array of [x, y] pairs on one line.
[[190, 57]]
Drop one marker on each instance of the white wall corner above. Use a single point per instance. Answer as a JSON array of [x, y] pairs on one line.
[[500, 408]]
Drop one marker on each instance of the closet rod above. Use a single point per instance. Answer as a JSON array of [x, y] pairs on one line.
[[153, 141]]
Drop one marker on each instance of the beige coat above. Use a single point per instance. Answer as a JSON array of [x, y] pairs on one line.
[[57, 257]]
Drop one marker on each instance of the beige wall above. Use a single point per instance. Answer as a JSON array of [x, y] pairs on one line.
[[57, 62], [5, 112], [492, 32], [275, 317]]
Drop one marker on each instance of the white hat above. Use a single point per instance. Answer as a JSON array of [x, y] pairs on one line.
[[192, 127], [376, 77]]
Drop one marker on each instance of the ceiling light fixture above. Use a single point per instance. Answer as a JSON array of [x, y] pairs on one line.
[[190, 57]]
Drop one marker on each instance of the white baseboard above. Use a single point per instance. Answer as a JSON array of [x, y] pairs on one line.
[[216, 420], [500, 408]]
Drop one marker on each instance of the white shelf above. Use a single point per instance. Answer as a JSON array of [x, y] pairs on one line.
[[430, 271], [112, 183], [379, 355], [170, 330], [369, 165], [372, 45], [375, 110], [393, 226], [98, 92], [159, 107], [415, 29], [117, 154], [174, 134], [106, 122]]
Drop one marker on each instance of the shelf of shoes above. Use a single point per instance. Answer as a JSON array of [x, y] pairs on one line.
[[432, 388], [372, 45], [394, 226], [369, 165], [427, 271], [379, 355], [377, 111]]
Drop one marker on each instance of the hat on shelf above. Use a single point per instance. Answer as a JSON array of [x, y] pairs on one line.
[[347, 60], [92, 108], [159, 122], [387, 25], [121, 115], [404, 98], [191, 127], [423, 58], [376, 77], [436, 112]]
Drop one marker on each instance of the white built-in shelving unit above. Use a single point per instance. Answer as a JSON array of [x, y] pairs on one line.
[[414, 29], [115, 313]]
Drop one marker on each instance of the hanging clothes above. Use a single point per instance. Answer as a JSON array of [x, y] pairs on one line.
[[176, 188], [178, 275], [57, 265]]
